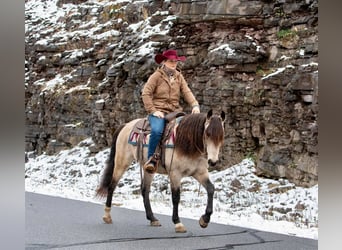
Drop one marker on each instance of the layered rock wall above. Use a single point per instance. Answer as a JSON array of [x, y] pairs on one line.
[[256, 60]]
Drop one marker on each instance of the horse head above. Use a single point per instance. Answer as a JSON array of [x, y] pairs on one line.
[[214, 135]]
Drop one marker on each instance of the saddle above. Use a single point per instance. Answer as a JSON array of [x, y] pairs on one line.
[[142, 129]]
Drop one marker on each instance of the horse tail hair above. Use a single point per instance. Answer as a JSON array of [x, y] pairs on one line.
[[107, 177]]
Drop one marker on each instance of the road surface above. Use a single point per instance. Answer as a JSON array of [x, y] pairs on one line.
[[59, 223]]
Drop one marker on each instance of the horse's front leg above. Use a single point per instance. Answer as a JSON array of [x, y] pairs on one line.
[[210, 188], [175, 190], [145, 192], [205, 218]]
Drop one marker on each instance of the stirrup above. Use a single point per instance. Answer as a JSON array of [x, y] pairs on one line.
[[151, 165]]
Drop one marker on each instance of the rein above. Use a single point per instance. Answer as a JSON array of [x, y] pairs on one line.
[[202, 152], [173, 151], [140, 152]]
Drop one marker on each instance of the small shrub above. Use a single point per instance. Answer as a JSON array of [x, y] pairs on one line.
[[286, 34]]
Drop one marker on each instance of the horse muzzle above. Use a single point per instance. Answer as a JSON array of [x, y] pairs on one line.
[[212, 163]]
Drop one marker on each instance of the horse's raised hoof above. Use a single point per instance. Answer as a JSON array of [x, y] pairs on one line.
[[155, 223], [107, 220], [180, 228], [202, 223]]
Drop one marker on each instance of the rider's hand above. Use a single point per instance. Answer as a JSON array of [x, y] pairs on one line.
[[158, 114], [195, 110]]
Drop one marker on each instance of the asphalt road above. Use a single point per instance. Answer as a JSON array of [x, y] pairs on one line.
[[58, 223]]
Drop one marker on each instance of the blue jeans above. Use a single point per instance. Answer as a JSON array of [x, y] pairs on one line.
[[157, 128]]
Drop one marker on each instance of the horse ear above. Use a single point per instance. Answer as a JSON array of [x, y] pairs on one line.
[[223, 115], [209, 114]]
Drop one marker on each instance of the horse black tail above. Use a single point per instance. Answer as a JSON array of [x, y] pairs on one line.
[[107, 176]]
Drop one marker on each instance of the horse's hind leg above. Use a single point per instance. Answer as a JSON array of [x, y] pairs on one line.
[[120, 157], [145, 192], [122, 162], [107, 217]]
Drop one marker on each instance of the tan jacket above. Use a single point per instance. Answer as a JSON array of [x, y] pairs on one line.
[[162, 94]]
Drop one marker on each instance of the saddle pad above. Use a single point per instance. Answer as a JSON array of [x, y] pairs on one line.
[[135, 134]]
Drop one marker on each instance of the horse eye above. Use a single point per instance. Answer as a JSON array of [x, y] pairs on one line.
[[207, 133]]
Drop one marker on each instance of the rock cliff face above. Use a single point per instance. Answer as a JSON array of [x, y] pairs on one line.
[[87, 61]]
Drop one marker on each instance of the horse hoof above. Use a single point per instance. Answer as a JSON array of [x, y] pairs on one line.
[[180, 228], [155, 223], [107, 220], [202, 223]]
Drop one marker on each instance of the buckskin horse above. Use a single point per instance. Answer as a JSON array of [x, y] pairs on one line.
[[197, 135]]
